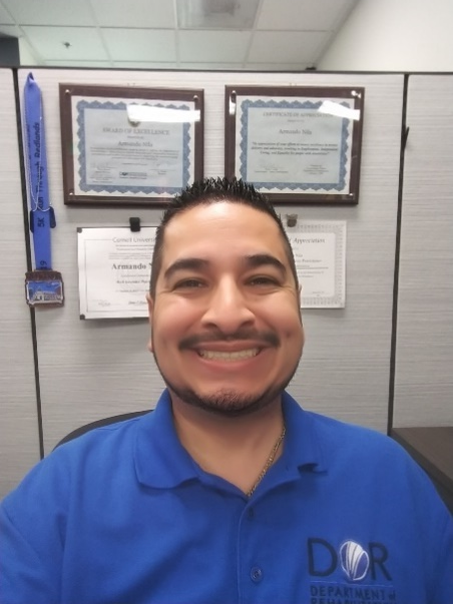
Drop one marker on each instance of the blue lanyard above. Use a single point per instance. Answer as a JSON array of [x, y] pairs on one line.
[[42, 217]]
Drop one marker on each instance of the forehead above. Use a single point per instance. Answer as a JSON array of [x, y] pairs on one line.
[[225, 226]]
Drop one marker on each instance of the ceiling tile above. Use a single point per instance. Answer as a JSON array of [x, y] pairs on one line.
[[219, 46], [140, 44], [276, 66], [144, 34], [28, 56], [84, 64], [49, 42], [204, 66], [50, 12], [171, 65], [5, 18], [138, 13], [10, 30], [300, 48], [302, 14]]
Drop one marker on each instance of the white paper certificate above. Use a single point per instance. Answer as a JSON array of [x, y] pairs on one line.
[[112, 156], [320, 254], [289, 146], [114, 271]]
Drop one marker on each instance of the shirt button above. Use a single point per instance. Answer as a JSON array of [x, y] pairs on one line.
[[250, 513], [256, 574]]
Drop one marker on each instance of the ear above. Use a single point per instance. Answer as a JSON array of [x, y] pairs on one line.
[[150, 315], [300, 303]]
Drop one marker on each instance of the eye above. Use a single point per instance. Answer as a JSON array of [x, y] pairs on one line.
[[188, 284], [263, 281]]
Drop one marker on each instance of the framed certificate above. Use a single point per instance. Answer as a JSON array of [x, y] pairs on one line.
[[129, 146], [297, 145]]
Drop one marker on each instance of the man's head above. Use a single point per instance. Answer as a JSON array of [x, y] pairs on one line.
[[224, 305], [212, 190]]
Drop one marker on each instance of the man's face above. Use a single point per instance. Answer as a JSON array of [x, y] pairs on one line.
[[226, 328]]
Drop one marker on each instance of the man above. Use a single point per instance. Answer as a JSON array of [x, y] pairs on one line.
[[228, 492]]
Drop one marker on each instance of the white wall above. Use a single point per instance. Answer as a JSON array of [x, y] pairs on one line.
[[394, 35]]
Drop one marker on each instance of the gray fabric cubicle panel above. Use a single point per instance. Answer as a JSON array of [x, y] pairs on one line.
[[92, 369], [424, 352], [19, 434]]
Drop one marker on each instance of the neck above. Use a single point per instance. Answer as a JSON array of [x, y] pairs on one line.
[[234, 448]]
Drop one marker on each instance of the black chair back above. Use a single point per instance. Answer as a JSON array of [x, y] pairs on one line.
[[97, 424]]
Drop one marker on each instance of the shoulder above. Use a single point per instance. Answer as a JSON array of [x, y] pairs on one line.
[[348, 439], [119, 433], [364, 450], [362, 456], [78, 460]]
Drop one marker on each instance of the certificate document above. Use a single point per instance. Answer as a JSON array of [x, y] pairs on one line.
[[296, 144], [117, 157], [289, 145], [114, 271], [320, 254]]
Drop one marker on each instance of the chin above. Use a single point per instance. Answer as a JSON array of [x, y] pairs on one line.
[[226, 401]]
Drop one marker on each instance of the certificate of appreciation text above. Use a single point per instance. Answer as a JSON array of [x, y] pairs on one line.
[[320, 255]]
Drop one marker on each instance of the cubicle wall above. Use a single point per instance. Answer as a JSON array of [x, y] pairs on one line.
[[92, 369], [19, 436], [424, 351]]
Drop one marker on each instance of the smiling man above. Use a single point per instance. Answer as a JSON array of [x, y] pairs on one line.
[[226, 326], [229, 492]]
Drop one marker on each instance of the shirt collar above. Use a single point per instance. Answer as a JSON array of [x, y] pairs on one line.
[[162, 462], [302, 449], [160, 459]]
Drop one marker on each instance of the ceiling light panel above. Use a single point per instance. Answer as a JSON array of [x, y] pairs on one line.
[[216, 14]]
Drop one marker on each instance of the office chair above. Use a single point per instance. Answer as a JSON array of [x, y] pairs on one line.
[[97, 424]]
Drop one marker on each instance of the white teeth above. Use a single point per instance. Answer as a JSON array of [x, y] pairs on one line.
[[229, 356]]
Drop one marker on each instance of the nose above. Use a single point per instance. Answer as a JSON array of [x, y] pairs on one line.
[[228, 308]]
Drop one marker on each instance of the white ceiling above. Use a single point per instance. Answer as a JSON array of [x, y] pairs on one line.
[[286, 35]]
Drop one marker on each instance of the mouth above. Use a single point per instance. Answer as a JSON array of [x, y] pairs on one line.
[[238, 355]]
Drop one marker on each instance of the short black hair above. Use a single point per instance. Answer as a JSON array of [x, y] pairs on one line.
[[206, 192]]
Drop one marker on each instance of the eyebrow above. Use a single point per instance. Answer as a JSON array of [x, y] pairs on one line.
[[258, 260], [188, 264], [200, 264]]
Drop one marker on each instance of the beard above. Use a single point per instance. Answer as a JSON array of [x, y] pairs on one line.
[[228, 402]]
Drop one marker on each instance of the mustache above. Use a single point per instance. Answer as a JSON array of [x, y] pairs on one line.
[[267, 337]]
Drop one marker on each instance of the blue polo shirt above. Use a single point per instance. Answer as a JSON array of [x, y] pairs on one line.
[[123, 515]]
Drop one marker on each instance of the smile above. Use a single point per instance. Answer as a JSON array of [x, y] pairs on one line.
[[228, 356]]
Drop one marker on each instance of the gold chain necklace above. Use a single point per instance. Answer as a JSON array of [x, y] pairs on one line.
[[269, 462]]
